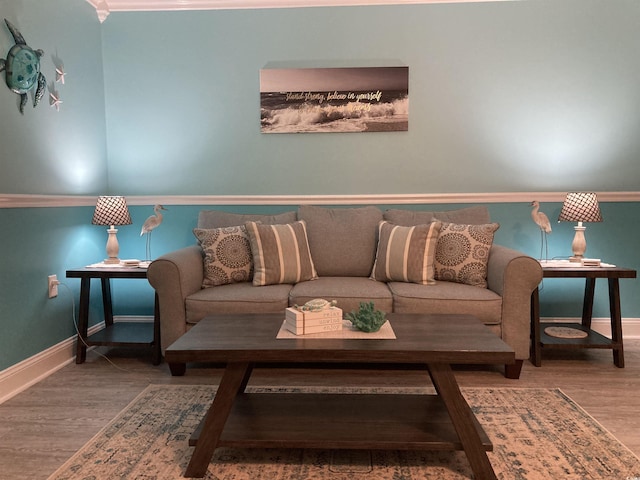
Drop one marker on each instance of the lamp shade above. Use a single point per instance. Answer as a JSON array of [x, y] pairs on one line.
[[580, 207], [111, 210]]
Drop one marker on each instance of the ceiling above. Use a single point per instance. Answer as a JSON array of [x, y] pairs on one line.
[[104, 7]]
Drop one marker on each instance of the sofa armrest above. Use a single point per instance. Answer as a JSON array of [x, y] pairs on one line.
[[514, 276], [175, 276]]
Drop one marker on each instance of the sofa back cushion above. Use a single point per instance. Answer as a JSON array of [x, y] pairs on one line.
[[217, 219], [476, 215], [343, 241]]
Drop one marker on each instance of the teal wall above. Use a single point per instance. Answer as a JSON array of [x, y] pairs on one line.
[[49, 152], [503, 96], [527, 96], [44, 151]]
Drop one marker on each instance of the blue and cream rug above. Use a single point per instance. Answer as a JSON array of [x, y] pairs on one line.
[[537, 434]]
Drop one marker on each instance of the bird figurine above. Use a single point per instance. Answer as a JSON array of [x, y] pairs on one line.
[[542, 221], [150, 224]]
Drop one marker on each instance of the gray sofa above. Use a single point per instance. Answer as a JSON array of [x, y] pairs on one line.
[[343, 244]]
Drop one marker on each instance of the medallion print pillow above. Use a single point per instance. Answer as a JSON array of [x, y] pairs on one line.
[[227, 255], [462, 253]]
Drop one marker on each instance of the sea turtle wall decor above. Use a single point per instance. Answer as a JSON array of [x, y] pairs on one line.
[[22, 69]]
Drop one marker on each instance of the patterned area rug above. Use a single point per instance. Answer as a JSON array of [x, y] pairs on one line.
[[537, 434]]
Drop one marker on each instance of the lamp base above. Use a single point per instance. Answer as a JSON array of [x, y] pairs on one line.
[[579, 244], [112, 247]]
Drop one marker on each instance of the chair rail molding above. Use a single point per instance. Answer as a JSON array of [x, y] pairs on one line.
[[105, 7], [38, 201]]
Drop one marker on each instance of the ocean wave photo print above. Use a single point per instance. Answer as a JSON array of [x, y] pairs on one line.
[[312, 100]]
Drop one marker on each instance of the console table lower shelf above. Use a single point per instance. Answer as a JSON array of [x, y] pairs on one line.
[[340, 421], [591, 338]]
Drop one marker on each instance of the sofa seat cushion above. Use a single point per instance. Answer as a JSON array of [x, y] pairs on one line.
[[237, 298], [347, 291], [447, 297]]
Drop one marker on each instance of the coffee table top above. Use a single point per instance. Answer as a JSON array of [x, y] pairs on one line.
[[420, 339]]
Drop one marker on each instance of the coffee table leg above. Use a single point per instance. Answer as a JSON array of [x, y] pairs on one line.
[[233, 381], [462, 418]]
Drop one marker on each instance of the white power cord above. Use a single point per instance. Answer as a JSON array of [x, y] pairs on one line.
[[80, 338]]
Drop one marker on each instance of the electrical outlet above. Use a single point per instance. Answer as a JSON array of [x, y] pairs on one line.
[[53, 286]]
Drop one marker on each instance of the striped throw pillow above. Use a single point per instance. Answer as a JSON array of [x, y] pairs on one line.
[[406, 254], [280, 253]]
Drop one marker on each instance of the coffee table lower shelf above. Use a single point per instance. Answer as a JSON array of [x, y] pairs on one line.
[[340, 421]]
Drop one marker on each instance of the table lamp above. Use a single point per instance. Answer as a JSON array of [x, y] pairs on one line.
[[111, 211], [580, 207]]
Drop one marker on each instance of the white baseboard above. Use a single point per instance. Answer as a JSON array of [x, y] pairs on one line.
[[21, 376]]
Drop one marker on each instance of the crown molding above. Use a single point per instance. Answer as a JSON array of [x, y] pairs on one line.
[[105, 7]]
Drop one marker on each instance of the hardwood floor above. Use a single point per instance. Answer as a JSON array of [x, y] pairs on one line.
[[43, 426]]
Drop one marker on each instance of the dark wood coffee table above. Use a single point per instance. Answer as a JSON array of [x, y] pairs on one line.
[[340, 421]]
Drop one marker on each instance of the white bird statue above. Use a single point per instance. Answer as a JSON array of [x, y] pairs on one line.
[[149, 224], [542, 221]]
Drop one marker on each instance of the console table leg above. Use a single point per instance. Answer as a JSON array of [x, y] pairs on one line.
[[616, 322], [587, 306], [106, 301], [462, 419], [83, 320], [233, 380]]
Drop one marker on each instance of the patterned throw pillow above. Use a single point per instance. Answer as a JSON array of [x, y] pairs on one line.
[[280, 253], [227, 255], [406, 254], [462, 253]]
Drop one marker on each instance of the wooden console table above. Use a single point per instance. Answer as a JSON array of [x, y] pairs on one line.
[[540, 340], [137, 334]]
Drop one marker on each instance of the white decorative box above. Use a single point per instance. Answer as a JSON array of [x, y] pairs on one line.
[[303, 322]]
